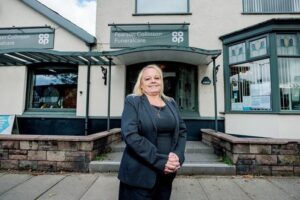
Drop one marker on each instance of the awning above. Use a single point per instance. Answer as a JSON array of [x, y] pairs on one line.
[[190, 55], [20, 57]]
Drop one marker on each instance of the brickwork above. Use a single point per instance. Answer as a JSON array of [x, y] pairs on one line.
[[257, 156], [54, 153]]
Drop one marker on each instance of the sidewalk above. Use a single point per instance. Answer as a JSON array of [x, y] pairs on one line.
[[105, 187]]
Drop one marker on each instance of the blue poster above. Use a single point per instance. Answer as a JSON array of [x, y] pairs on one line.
[[6, 124]]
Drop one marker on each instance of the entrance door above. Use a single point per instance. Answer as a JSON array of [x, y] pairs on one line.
[[180, 82]]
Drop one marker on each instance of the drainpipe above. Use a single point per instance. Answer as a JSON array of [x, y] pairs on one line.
[[215, 92], [109, 88], [86, 122]]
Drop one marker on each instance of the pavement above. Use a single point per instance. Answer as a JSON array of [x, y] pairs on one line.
[[104, 186]]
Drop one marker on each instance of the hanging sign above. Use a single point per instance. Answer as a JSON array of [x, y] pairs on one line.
[[146, 35], [6, 124], [14, 38]]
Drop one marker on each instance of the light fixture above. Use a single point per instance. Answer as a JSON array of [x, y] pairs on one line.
[[205, 81]]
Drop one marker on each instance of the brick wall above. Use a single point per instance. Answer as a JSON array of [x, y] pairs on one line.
[[53, 153], [257, 156]]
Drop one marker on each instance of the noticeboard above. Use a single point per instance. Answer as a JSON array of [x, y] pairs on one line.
[[6, 124]]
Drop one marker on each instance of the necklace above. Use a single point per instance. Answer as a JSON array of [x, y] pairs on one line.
[[157, 110]]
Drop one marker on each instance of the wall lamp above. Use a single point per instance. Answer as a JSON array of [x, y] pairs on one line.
[[205, 81]]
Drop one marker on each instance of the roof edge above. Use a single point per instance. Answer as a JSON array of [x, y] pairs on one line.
[[60, 20]]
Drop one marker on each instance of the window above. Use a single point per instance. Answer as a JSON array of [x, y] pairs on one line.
[[289, 83], [52, 88], [162, 7], [180, 82], [271, 6], [287, 44], [237, 53], [250, 86]]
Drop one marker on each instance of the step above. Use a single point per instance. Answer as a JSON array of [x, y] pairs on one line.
[[191, 147], [199, 160], [186, 169]]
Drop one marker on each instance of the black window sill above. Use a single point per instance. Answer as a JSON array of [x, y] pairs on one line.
[[264, 112], [270, 13]]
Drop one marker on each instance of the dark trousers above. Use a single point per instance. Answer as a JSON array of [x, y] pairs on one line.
[[161, 191]]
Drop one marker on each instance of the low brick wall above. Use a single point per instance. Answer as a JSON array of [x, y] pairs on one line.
[[256, 156], [54, 153]]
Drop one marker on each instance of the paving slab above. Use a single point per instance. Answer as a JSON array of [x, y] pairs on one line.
[[71, 187], [187, 188], [222, 188], [9, 181], [32, 188], [261, 189], [106, 187], [290, 185]]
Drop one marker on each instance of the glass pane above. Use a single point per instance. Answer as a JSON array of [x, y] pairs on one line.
[[287, 44], [258, 47], [271, 6], [289, 83], [54, 88], [250, 86], [186, 89], [237, 53], [165, 6]]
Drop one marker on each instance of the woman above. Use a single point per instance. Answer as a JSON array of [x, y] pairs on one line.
[[155, 137]]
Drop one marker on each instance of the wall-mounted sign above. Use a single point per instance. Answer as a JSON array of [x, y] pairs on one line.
[[6, 124], [123, 36], [14, 38]]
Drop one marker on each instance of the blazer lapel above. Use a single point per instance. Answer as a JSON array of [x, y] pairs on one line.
[[149, 110]]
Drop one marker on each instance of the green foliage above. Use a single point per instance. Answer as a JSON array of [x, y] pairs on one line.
[[226, 160]]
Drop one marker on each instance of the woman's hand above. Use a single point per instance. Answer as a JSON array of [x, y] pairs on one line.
[[172, 164]]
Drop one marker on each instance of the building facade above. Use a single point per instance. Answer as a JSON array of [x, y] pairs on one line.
[[229, 64]]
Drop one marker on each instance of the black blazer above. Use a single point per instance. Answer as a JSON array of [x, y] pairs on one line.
[[141, 162]]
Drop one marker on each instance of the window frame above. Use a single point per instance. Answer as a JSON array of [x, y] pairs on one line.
[[30, 85], [244, 2], [136, 13]]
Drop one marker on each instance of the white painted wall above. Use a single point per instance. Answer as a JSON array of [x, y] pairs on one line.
[[12, 90], [263, 125]]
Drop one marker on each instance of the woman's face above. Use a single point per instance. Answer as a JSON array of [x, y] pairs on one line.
[[151, 82]]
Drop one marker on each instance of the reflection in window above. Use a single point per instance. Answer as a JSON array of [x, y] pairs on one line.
[[287, 44], [289, 83], [250, 86], [237, 53], [158, 6], [53, 88]]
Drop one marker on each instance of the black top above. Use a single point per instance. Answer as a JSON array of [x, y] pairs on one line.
[[165, 128]]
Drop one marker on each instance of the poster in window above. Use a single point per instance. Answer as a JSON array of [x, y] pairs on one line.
[[261, 102], [237, 53], [258, 47], [6, 124]]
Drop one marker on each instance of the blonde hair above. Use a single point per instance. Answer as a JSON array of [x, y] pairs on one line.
[[137, 90]]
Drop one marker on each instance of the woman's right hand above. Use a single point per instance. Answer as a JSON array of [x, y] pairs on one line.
[[172, 164]]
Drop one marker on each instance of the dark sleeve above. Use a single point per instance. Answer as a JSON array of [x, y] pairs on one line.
[[138, 143], [180, 147]]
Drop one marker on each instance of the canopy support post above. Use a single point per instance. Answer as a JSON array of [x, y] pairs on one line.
[[215, 92], [109, 91]]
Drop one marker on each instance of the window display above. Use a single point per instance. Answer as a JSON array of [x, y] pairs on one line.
[[53, 88]]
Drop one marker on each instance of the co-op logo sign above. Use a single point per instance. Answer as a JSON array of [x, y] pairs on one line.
[[43, 39], [177, 37]]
